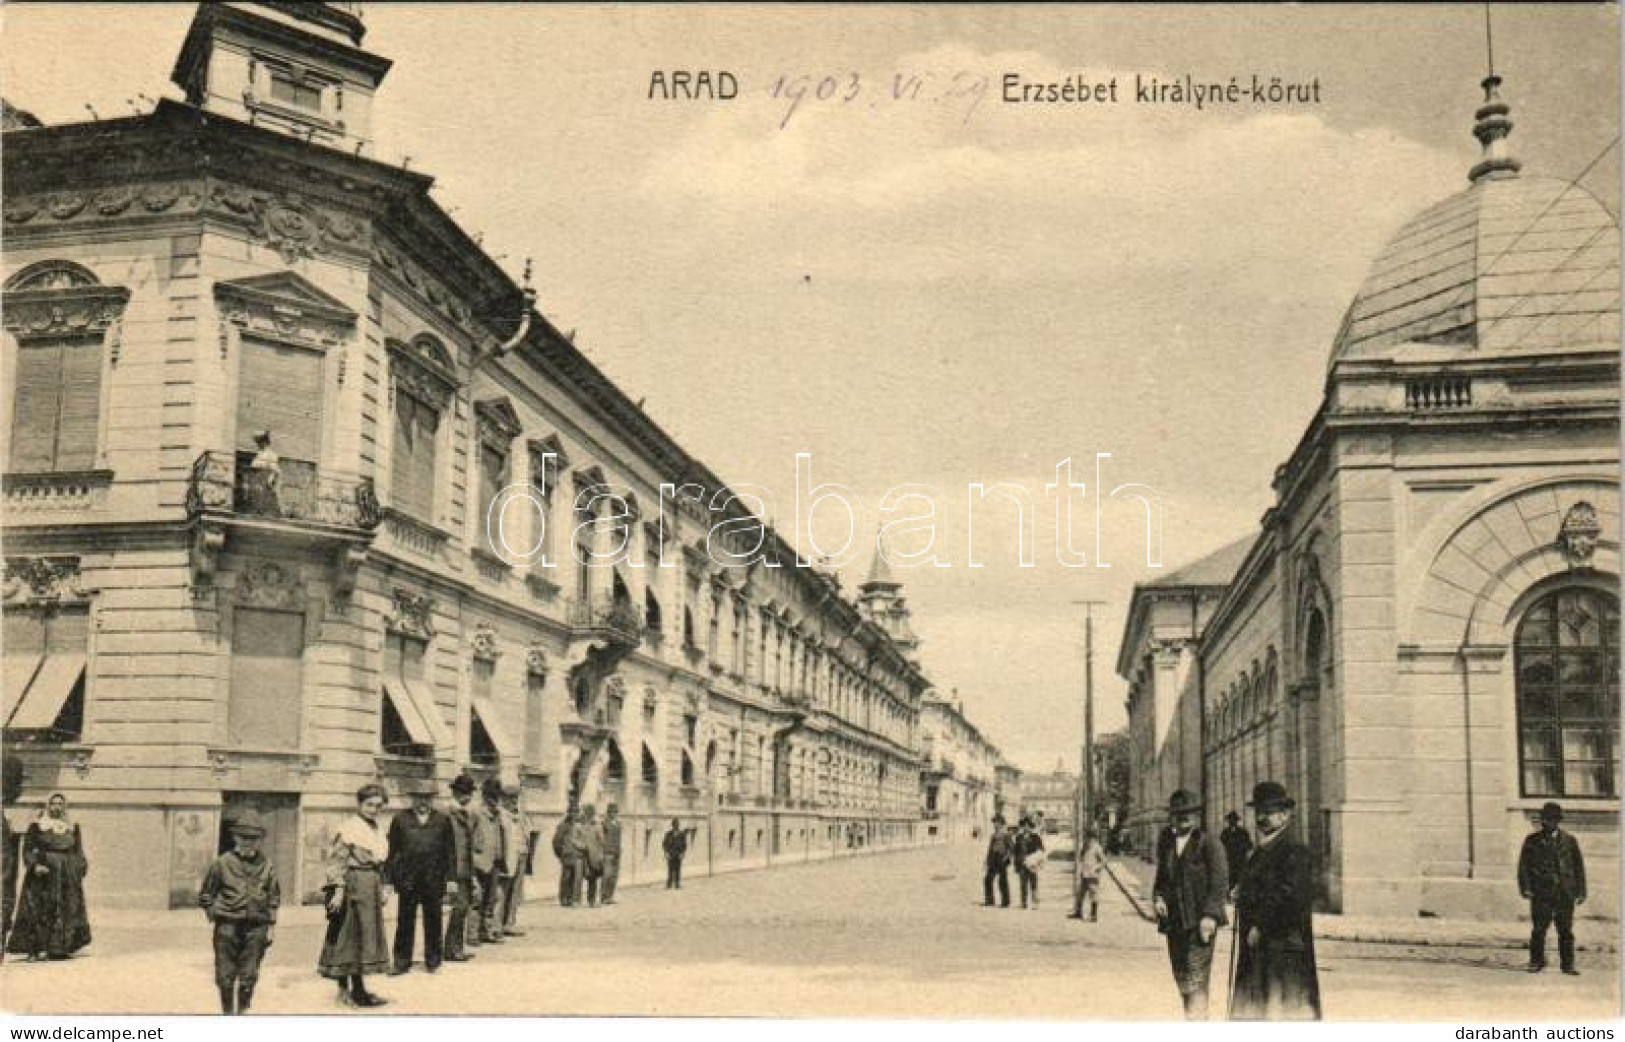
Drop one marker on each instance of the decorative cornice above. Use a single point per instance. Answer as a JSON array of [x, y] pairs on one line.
[[289, 222], [80, 310], [497, 421], [282, 307]]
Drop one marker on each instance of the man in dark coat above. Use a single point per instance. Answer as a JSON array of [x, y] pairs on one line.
[[460, 885], [612, 852], [1188, 896], [422, 849], [675, 845], [1027, 848], [1237, 845], [1552, 878], [565, 847], [1276, 977], [998, 864]]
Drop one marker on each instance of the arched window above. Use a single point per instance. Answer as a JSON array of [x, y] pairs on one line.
[[688, 770], [1567, 663], [651, 773], [615, 768]]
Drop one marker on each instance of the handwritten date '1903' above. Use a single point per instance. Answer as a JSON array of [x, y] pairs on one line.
[[850, 89]]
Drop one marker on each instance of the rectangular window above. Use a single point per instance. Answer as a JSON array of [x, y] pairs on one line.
[[543, 480], [280, 390], [286, 89], [493, 478], [488, 742], [410, 719], [417, 428], [267, 674], [57, 407]]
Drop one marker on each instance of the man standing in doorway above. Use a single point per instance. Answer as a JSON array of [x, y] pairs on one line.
[[1552, 878], [1188, 896], [612, 852]]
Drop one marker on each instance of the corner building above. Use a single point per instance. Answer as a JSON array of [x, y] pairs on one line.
[[192, 624], [1422, 642]]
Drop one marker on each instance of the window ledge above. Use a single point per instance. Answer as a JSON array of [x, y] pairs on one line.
[[1571, 804], [55, 490]]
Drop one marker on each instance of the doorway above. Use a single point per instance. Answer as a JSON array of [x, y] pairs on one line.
[[280, 812]]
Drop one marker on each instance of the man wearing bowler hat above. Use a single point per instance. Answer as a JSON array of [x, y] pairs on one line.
[[460, 885], [422, 847], [240, 896], [1276, 977], [1552, 878], [1188, 896]]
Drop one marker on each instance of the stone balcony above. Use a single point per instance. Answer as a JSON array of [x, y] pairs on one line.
[[226, 483]]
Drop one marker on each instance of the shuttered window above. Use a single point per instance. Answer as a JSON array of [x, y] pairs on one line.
[[267, 698], [417, 427], [493, 477], [57, 406], [280, 390]]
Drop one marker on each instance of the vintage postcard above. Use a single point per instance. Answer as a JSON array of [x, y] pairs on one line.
[[896, 511]]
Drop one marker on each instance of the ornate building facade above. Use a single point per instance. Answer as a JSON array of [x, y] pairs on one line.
[[1422, 642], [958, 771], [197, 616]]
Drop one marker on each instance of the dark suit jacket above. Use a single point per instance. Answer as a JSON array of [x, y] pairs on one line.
[[1276, 893], [1191, 884], [421, 855], [1551, 867]]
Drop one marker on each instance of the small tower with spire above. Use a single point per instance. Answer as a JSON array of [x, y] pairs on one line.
[[297, 68], [881, 601]]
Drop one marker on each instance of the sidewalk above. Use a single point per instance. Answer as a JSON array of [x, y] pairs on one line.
[[1137, 875]]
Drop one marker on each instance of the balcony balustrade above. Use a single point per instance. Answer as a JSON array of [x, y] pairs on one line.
[[229, 483]]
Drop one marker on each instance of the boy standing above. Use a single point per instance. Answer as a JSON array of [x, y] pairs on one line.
[[240, 896]]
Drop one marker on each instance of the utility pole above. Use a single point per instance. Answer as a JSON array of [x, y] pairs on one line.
[[1082, 818]]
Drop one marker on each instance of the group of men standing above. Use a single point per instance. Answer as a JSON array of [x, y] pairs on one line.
[[589, 853], [1022, 847], [476, 856]]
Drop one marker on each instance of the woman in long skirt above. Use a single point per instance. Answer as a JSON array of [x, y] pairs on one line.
[[355, 946], [51, 920]]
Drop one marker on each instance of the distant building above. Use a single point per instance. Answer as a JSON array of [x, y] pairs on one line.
[[1006, 788], [958, 771], [1422, 642], [1051, 797]]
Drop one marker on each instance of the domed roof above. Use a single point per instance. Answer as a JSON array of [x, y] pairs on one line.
[[1511, 265]]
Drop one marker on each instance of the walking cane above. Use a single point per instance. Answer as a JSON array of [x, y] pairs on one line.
[[1230, 977]]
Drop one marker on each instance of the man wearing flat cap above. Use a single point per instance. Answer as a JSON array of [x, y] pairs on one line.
[[1276, 978], [422, 849], [1188, 896], [1552, 878], [240, 895]]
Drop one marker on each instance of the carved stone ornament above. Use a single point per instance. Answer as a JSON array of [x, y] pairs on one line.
[[285, 307], [43, 580], [536, 662], [81, 310], [290, 223], [413, 615], [1577, 537], [268, 584], [484, 643]]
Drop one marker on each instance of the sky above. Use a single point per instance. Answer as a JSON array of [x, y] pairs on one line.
[[916, 283]]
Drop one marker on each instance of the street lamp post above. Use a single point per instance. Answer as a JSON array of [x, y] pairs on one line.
[[1086, 779]]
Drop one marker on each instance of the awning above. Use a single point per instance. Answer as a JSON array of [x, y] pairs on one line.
[[52, 685], [501, 737], [19, 673], [418, 712]]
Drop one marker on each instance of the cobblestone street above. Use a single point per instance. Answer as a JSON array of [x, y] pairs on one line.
[[889, 935]]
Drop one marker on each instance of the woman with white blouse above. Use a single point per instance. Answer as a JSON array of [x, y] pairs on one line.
[[355, 946]]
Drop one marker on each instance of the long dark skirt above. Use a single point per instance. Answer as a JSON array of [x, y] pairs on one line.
[[355, 937], [51, 915]]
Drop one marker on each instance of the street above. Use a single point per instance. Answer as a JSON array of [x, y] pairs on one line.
[[889, 935]]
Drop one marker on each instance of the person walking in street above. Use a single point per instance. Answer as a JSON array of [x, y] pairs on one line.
[[422, 849], [51, 920], [354, 944], [1093, 861], [1028, 851], [996, 869], [1552, 878], [675, 845], [592, 852], [240, 896], [1237, 845], [612, 852], [488, 864], [1188, 896], [460, 885], [1276, 978], [565, 843]]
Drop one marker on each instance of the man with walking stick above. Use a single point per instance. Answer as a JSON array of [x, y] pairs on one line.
[[1188, 896]]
